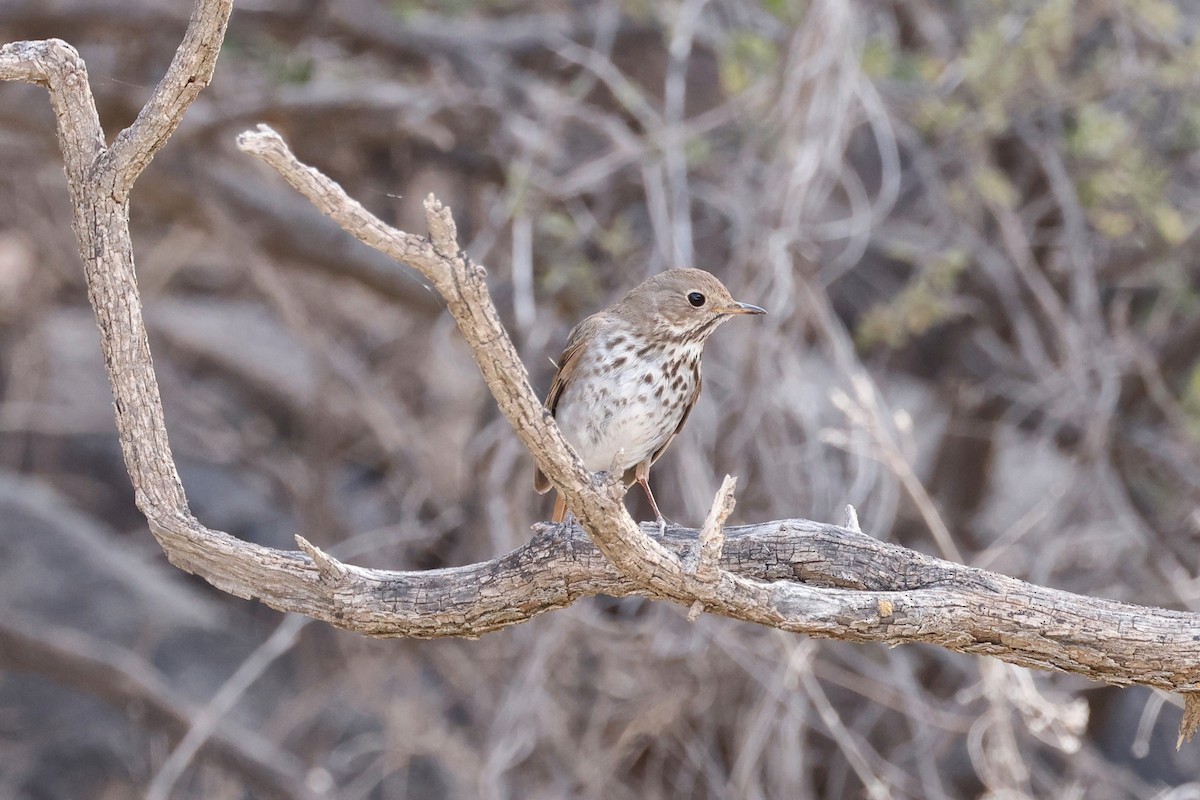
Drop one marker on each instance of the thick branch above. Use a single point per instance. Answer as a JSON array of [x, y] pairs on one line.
[[833, 582]]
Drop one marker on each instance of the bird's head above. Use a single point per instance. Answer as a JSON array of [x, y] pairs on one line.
[[682, 303]]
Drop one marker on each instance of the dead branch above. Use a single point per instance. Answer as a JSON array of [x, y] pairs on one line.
[[842, 584]]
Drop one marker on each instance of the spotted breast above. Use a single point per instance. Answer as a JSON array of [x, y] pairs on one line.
[[628, 397]]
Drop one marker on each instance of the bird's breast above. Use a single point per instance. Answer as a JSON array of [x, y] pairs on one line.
[[627, 396]]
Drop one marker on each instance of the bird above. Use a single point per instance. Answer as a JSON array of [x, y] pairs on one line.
[[629, 375]]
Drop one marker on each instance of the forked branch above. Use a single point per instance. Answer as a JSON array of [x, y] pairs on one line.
[[794, 575]]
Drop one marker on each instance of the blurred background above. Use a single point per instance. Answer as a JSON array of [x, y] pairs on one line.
[[974, 226]]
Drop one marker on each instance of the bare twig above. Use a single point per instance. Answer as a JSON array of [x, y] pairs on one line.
[[190, 71], [851, 522], [1191, 718], [712, 535]]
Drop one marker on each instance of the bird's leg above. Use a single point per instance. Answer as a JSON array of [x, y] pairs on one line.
[[642, 475]]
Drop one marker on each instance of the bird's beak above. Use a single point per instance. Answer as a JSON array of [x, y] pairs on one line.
[[743, 308]]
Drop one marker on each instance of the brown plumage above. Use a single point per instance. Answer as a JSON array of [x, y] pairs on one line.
[[630, 374]]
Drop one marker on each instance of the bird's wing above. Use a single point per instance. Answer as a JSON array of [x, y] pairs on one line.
[[572, 354], [687, 409]]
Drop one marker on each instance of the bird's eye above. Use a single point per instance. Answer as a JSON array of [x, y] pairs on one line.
[[696, 299]]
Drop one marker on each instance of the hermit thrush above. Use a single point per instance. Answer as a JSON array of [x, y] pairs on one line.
[[630, 374]]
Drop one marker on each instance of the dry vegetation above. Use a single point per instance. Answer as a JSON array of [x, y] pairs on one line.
[[973, 228]]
